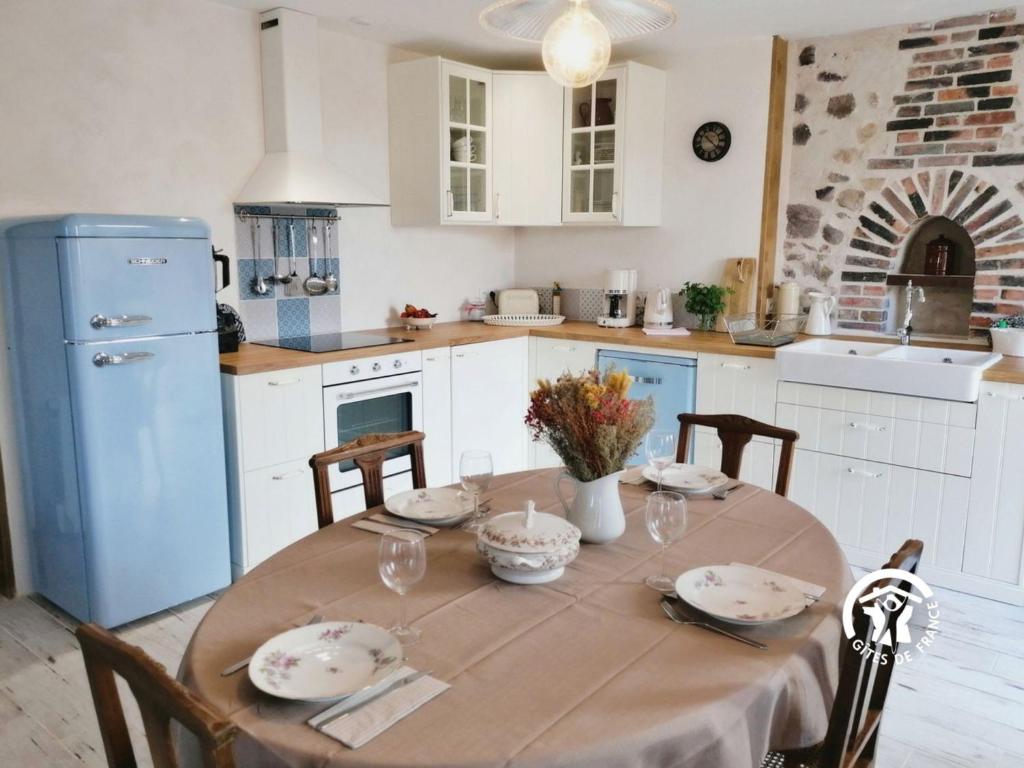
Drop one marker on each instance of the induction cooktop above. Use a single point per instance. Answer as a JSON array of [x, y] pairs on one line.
[[331, 342]]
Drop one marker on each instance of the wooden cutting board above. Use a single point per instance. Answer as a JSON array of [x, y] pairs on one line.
[[741, 276]]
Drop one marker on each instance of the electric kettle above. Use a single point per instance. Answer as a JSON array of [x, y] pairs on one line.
[[818, 323], [658, 309]]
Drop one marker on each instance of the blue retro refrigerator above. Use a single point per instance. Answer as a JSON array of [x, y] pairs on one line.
[[113, 347]]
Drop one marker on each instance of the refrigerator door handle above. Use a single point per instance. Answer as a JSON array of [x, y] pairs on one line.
[[118, 321], [101, 359]]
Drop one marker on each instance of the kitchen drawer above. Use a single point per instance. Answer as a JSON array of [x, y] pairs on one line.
[[280, 416], [736, 384], [927, 445], [280, 508], [875, 507], [947, 412]]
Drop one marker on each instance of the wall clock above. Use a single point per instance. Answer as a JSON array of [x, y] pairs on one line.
[[711, 142]]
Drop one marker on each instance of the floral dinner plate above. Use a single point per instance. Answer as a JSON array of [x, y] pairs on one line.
[[740, 595], [436, 506], [689, 478], [323, 662]]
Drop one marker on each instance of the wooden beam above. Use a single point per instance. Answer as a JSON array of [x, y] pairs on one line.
[[772, 173]]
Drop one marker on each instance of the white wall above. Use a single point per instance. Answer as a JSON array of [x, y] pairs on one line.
[[154, 106], [711, 211]]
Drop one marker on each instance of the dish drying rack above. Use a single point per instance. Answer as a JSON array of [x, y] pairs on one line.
[[761, 331]]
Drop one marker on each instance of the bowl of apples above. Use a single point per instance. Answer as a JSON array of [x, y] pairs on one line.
[[419, 319]]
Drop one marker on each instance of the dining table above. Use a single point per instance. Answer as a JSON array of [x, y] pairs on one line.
[[585, 671]]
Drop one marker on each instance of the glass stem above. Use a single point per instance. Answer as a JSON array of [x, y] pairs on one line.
[[476, 505], [660, 473], [401, 610], [664, 560]]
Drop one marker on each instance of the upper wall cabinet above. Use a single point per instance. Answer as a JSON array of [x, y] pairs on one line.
[[440, 139], [471, 146], [613, 148]]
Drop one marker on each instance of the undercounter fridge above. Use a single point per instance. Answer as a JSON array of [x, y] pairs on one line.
[[112, 341]]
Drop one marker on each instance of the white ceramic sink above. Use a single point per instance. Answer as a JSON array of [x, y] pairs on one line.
[[947, 374]]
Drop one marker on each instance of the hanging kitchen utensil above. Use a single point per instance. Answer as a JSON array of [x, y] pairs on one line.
[[314, 284], [330, 279], [293, 273], [259, 285], [278, 277]]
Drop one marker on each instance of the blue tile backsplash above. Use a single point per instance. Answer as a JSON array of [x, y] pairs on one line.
[[286, 310]]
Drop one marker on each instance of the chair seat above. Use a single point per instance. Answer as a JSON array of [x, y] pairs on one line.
[[779, 760]]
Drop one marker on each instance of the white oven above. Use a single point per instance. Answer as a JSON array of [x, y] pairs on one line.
[[364, 396]]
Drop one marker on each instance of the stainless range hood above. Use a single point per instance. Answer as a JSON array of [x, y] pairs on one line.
[[294, 169]]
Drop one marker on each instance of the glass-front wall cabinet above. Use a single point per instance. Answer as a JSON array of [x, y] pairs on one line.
[[467, 165], [592, 151]]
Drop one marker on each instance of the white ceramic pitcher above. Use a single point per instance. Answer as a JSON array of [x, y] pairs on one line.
[[596, 508], [818, 323]]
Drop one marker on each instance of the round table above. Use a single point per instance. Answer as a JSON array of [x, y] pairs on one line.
[[584, 671]]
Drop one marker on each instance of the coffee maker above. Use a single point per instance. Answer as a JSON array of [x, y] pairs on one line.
[[619, 299]]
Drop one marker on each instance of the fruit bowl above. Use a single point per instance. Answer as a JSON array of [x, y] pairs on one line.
[[418, 323]]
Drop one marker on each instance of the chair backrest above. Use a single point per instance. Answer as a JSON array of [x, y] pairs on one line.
[[864, 681], [368, 452], [735, 432], [161, 699]]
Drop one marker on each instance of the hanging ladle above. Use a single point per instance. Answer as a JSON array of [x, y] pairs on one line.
[[330, 279], [314, 284], [291, 252], [259, 285], [284, 279]]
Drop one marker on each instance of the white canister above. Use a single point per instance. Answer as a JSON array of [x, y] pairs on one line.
[[787, 299]]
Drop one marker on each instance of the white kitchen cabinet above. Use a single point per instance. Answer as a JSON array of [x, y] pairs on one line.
[[280, 416], [995, 530], [527, 146], [489, 399], [549, 359], [437, 416], [744, 386], [280, 508], [440, 135], [613, 148]]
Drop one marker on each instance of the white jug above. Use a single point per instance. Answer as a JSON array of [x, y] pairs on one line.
[[818, 315], [596, 509]]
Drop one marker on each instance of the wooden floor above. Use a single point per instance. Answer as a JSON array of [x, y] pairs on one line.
[[961, 705]]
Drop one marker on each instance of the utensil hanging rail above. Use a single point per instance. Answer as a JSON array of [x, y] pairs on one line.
[[245, 215]]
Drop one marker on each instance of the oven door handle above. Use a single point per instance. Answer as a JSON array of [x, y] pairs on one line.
[[365, 395]]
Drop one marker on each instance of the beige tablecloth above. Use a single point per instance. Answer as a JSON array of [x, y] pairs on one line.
[[585, 671]]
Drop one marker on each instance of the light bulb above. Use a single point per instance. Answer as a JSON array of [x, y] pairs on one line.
[[576, 47]]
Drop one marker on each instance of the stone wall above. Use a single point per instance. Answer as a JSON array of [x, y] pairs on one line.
[[891, 127]]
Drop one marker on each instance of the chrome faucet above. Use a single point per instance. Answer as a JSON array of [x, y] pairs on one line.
[[904, 331]]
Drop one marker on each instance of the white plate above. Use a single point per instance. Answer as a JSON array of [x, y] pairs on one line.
[[323, 662], [740, 595], [436, 506], [691, 478]]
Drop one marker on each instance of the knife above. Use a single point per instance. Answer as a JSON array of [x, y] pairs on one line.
[[351, 707]]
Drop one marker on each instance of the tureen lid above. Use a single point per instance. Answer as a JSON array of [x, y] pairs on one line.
[[529, 531]]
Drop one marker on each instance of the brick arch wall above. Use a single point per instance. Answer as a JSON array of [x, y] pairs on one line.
[[892, 215]]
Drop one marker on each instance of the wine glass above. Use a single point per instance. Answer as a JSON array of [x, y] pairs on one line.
[[660, 446], [476, 468], [665, 517], [402, 561]]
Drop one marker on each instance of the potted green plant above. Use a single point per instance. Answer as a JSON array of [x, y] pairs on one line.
[[1008, 336], [705, 301]]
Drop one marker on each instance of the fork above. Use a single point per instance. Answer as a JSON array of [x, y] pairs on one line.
[[243, 663], [673, 612]]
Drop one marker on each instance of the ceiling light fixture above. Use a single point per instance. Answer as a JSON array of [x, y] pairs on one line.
[[576, 36]]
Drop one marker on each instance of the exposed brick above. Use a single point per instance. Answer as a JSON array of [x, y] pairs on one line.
[[945, 121], [867, 261], [949, 108], [918, 72], [942, 161], [1012, 280], [992, 104], [994, 231], [987, 294], [1003, 265], [981, 322], [986, 280], [947, 135], [855, 290], [992, 118], [964, 36], [929, 83], [973, 20], [1009, 294], [989, 132], [1004, 90], [983, 307], [981, 78], [861, 301], [864, 277], [1008, 46], [830, 77], [886, 164], [874, 290], [906, 150], [954, 94], [874, 316], [971, 146], [999, 62], [905, 125], [848, 314], [911, 110], [861, 244], [949, 54], [1008, 309], [993, 33], [1000, 250], [988, 215], [881, 212], [905, 137], [980, 201], [873, 327], [923, 42], [958, 67], [1004, 16]]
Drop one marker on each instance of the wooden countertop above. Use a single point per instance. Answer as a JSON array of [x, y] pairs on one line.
[[253, 358]]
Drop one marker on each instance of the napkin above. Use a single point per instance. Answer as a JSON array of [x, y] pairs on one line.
[[362, 725], [633, 476], [386, 519], [812, 590], [376, 527]]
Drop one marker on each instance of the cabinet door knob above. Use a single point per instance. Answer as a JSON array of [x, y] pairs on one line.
[[283, 382], [871, 427], [397, 364], [375, 367], [286, 475], [863, 473], [354, 370]]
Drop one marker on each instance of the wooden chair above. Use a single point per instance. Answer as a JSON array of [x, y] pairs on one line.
[[735, 432], [161, 699], [852, 734], [368, 452]]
